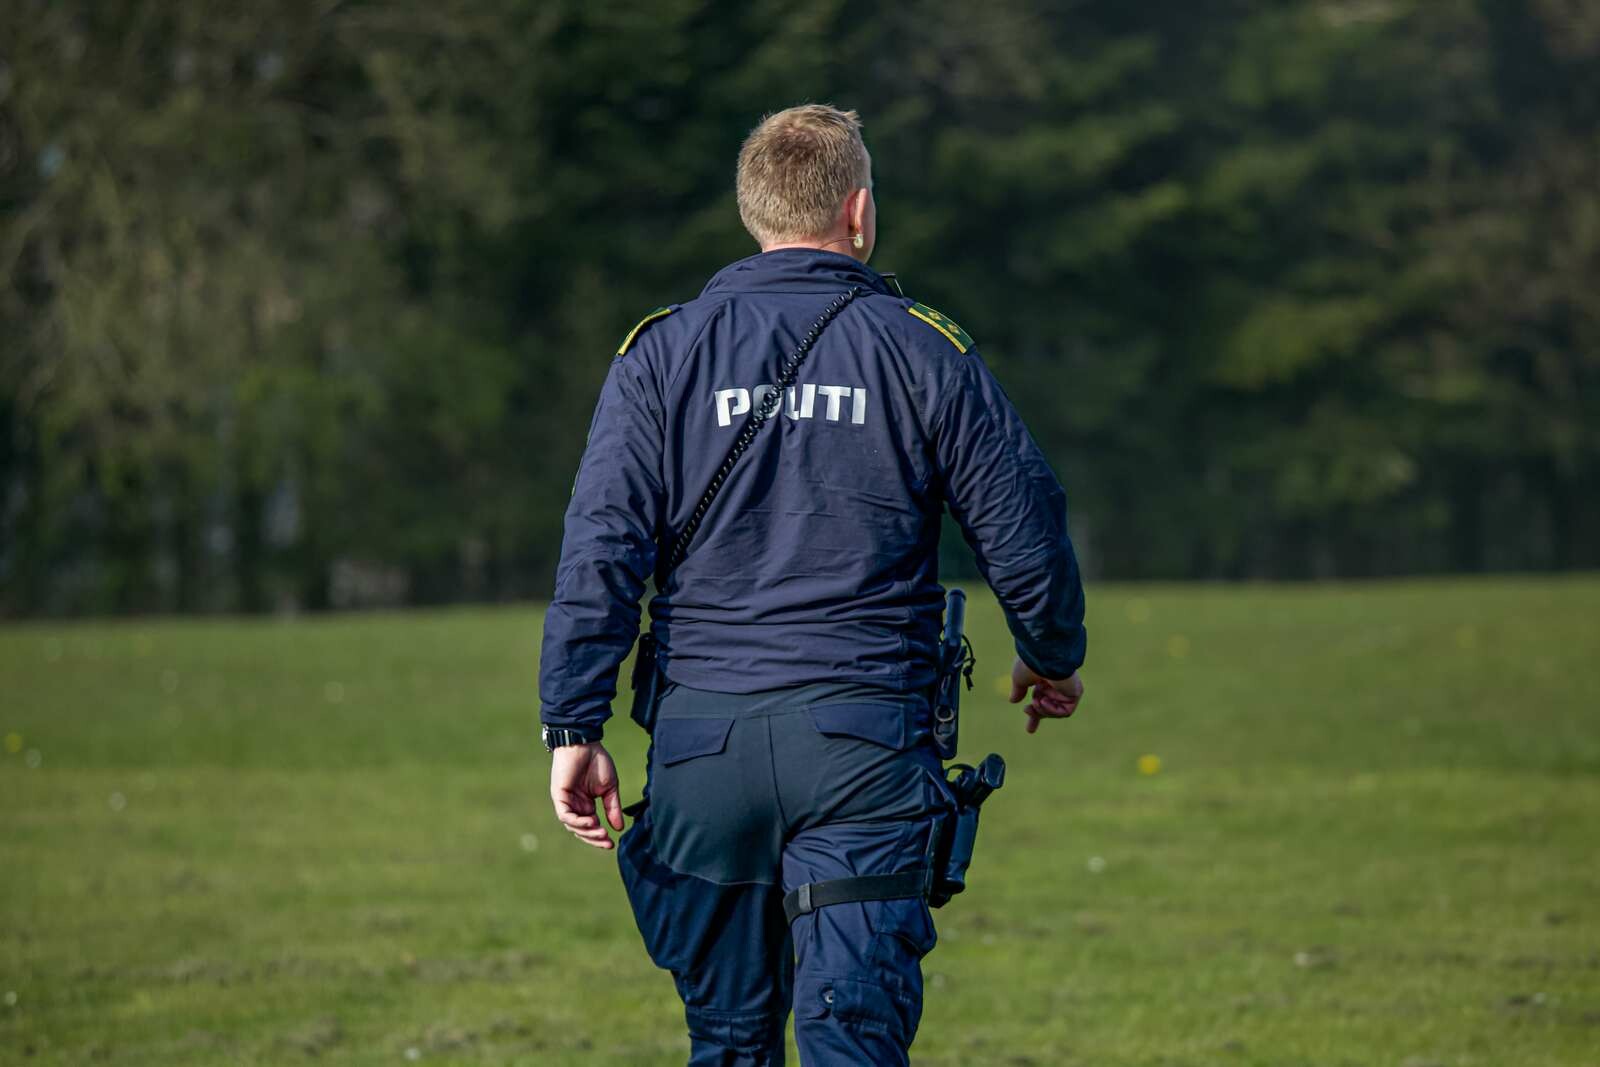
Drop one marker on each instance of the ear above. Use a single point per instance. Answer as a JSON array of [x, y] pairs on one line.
[[856, 209]]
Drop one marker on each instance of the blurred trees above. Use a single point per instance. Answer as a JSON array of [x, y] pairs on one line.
[[308, 304]]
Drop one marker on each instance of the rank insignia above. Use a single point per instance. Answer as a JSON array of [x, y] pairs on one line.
[[944, 324], [627, 342]]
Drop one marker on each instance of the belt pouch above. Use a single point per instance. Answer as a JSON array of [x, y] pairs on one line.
[[646, 683]]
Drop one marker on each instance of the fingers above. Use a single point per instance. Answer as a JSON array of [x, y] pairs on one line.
[[1049, 703], [1021, 679], [599, 839], [589, 831], [1055, 703], [1047, 709], [574, 819], [577, 823], [613, 802], [1070, 687], [582, 824]]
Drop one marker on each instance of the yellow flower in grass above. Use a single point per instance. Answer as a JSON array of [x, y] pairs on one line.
[[1149, 764]]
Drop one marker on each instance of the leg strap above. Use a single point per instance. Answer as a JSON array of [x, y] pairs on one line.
[[813, 895]]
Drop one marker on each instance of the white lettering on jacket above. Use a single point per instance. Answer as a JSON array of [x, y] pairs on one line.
[[800, 402], [731, 402]]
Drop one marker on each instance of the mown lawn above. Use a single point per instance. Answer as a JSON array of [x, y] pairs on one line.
[[1373, 838]]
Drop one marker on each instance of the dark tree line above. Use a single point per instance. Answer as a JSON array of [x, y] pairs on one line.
[[306, 303]]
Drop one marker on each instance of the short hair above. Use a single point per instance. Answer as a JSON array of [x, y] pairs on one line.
[[796, 168]]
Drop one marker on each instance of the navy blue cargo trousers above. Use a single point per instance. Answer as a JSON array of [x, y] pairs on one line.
[[750, 796]]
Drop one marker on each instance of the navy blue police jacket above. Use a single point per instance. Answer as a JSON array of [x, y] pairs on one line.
[[818, 560]]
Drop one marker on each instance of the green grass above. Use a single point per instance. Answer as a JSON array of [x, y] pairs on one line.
[[1372, 840]]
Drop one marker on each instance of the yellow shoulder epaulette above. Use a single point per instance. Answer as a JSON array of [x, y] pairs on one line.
[[944, 324], [627, 342]]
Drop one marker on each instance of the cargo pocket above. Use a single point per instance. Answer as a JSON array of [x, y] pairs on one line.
[[677, 740], [883, 1010], [902, 932]]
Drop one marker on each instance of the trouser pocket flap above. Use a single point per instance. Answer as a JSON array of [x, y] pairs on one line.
[[677, 740], [881, 723], [867, 1005]]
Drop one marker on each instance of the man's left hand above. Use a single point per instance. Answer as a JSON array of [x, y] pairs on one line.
[[580, 775], [1052, 698]]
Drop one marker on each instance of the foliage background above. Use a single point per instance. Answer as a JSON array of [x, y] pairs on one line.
[[305, 302]]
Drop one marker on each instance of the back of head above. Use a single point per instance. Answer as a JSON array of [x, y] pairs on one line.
[[795, 170]]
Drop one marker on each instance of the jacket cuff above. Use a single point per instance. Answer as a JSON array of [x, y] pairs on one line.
[[1054, 668]]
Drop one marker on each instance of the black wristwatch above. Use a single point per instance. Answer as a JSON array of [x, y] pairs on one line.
[[555, 737]]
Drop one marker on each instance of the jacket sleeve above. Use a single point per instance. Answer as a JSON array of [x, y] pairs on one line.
[[1013, 513], [608, 551]]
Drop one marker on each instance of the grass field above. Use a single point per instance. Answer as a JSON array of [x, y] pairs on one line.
[[1373, 838]]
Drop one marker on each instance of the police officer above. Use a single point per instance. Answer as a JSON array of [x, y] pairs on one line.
[[797, 636]]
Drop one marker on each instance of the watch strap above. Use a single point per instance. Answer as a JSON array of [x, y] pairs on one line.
[[555, 737]]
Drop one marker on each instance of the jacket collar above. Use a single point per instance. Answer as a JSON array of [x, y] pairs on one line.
[[795, 270]]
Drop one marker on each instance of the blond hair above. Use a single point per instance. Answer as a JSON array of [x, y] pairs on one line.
[[795, 170]]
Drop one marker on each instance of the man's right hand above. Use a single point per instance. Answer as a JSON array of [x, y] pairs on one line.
[[1052, 698], [579, 776]]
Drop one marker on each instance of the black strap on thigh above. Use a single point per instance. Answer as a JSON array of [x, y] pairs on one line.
[[813, 895]]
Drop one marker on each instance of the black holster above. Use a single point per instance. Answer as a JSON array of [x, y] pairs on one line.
[[957, 831]]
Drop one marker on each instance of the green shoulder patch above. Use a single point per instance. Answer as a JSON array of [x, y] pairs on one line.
[[944, 324], [627, 342]]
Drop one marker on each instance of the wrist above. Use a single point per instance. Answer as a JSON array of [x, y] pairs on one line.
[[1037, 667], [555, 737], [565, 757]]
